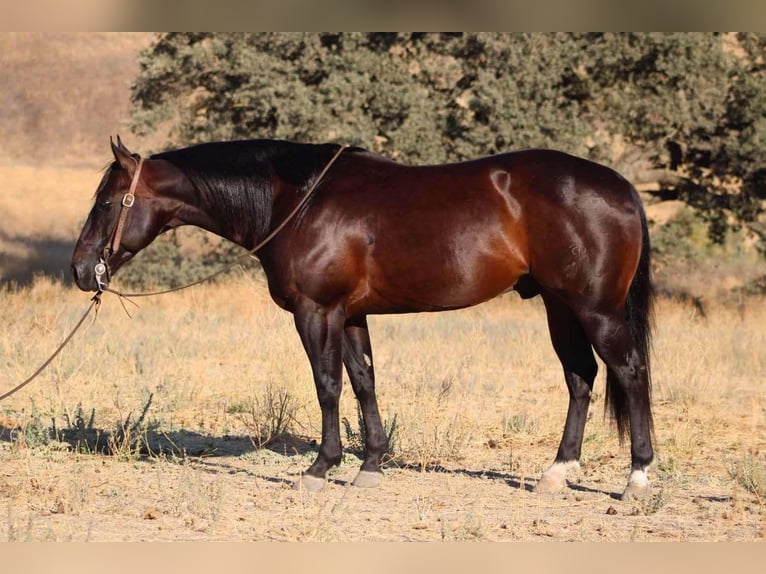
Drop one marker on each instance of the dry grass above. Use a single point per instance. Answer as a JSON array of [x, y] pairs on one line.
[[46, 201], [478, 398], [42, 209]]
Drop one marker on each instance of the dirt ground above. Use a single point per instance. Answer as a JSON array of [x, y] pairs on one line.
[[60, 496]]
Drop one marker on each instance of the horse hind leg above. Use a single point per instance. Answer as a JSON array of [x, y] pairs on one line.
[[357, 357], [576, 355], [628, 393]]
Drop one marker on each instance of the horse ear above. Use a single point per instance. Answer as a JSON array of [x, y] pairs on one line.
[[123, 156], [121, 145]]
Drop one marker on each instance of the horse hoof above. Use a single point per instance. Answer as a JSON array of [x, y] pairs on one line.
[[550, 484], [309, 483], [638, 485], [554, 479], [367, 479], [635, 491]]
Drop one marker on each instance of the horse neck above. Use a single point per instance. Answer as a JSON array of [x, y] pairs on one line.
[[222, 218], [244, 210]]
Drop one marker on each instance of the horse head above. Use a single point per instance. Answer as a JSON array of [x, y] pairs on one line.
[[136, 201]]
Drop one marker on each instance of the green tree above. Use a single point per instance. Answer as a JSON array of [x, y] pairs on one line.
[[682, 115]]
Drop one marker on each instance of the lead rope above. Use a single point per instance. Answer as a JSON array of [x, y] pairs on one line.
[[95, 302]]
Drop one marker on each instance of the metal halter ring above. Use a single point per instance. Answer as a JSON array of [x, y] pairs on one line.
[[128, 199], [100, 271]]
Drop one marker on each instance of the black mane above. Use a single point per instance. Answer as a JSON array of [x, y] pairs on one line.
[[235, 177]]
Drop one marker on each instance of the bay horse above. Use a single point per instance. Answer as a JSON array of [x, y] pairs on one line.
[[377, 237]]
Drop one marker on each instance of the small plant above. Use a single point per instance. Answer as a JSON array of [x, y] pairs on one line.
[[750, 474], [34, 433], [126, 442], [518, 424], [129, 439], [437, 442], [356, 440], [81, 435], [268, 417]]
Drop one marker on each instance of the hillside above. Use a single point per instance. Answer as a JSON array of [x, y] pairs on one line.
[[63, 94]]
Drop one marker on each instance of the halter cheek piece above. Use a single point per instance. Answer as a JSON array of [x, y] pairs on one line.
[[101, 269]]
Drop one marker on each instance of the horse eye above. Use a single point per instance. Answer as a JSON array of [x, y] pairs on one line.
[[105, 204]]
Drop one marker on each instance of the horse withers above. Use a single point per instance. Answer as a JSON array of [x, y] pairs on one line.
[[378, 237]]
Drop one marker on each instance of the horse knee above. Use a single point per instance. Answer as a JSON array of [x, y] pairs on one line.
[[328, 393]]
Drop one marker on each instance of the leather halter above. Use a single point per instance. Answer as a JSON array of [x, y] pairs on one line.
[[102, 267]]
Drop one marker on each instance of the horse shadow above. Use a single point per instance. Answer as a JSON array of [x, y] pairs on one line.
[[514, 481], [210, 453], [37, 256], [149, 443]]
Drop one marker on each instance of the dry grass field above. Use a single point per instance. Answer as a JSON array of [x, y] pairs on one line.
[[190, 419], [149, 428]]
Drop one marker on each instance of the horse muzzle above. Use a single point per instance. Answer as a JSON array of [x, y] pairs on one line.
[[89, 277]]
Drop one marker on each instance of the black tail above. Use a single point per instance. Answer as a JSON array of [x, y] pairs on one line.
[[639, 314]]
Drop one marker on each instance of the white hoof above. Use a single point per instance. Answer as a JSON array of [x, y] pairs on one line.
[[554, 479], [549, 484], [309, 483], [367, 479], [638, 486]]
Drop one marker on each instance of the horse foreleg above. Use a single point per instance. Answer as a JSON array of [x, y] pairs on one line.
[[357, 356], [321, 332]]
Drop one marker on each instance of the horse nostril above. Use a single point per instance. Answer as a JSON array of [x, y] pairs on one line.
[[80, 278]]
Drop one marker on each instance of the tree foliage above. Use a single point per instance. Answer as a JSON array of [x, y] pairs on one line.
[[683, 114]]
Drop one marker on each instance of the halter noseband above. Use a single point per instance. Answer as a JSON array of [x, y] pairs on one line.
[[102, 267]]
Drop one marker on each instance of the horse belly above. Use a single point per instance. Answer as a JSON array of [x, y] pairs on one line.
[[433, 275]]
